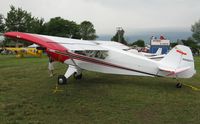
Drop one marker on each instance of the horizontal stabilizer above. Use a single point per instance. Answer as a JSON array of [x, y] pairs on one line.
[[174, 71]]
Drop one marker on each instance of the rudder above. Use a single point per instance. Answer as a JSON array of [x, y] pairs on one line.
[[179, 61]]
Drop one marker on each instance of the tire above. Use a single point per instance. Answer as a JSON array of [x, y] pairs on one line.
[[62, 80], [178, 85], [77, 77]]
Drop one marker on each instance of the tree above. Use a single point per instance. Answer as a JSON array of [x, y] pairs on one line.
[[2, 25], [60, 27], [139, 43], [173, 44], [21, 20], [119, 37], [87, 31], [196, 31], [37, 26], [192, 44]]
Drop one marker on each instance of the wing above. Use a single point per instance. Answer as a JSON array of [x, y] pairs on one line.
[[116, 45], [57, 43]]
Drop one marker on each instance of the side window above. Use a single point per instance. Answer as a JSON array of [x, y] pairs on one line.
[[93, 53]]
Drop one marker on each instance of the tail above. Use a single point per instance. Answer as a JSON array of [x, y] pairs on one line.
[[178, 63], [159, 51]]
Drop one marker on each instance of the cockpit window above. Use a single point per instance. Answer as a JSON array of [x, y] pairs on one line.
[[93, 53]]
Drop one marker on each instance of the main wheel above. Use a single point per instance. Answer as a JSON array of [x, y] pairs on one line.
[[77, 77], [178, 85], [62, 80]]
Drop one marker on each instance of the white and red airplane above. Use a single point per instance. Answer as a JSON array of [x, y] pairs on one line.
[[109, 57]]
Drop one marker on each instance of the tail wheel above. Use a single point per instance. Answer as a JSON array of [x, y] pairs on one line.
[[178, 85], [62, 80], [77, 77]]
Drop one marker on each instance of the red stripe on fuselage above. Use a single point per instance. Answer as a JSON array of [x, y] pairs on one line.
[[92, 60]]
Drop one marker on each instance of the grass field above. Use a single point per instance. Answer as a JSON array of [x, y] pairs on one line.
[[26, 97]]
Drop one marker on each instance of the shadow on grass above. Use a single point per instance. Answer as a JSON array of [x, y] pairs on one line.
[[91, 79]]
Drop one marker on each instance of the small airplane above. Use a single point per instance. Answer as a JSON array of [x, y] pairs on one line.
[[158, 52], [109, 57], [25, 51], [156, 56]]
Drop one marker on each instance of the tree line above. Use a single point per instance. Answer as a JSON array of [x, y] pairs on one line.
[[194, 41], [20, 20]]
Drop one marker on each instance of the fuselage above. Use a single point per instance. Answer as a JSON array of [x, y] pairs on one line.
[[116, 61]]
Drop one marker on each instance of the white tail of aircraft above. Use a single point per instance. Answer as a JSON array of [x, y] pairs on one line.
[[178, 62]]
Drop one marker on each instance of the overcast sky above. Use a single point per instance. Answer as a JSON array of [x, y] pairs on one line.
[[106, 15]]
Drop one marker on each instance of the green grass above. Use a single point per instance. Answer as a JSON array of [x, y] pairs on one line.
[[26, 97]]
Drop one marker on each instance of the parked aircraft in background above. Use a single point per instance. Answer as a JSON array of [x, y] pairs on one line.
[[25, 51], [156, 56], [109, 57], [158, 52]]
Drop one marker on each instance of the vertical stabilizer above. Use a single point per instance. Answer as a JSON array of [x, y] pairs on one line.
[[178, 62]]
